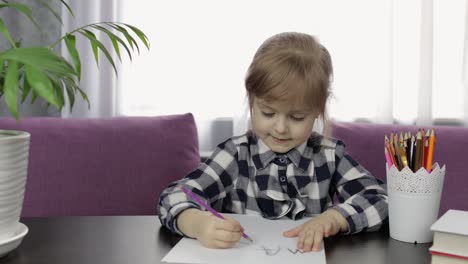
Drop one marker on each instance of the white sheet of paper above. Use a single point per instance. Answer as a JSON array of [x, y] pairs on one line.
[[270, 246]]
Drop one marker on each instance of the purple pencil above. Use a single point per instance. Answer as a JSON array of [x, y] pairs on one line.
[[207, 207]]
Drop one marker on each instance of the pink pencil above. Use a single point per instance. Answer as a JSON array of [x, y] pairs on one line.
[[389, 160], [207, 207]]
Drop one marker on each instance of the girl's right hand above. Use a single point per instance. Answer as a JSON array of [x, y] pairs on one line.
[[211, 231]]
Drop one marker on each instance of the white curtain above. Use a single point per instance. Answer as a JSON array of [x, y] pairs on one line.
[[97, 82], [395, 61], [465, 67]]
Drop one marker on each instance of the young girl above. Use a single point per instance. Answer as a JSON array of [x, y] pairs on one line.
[[280, 168]]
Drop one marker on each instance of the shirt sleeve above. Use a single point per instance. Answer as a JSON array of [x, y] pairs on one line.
[[210, 181], [363, 198]]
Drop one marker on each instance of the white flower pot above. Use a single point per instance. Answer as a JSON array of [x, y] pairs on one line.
[[14, 153]]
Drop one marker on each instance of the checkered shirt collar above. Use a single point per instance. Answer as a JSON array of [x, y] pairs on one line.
[[300, 156]]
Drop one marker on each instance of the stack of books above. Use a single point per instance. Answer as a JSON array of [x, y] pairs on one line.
[[450, 238]]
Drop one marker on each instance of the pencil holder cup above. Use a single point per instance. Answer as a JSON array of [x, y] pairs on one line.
[[413, 202]]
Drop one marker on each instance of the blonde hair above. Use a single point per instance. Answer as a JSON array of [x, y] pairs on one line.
[[288, 66]]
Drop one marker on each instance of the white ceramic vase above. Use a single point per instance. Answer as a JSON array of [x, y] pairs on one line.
[[14, 153]]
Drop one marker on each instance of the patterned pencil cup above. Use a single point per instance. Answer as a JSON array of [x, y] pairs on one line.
[[413, 202]]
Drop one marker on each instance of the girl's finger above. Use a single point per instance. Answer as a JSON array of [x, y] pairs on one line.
[[293, 232], [308, 240], [228, 236], [300, 240], [229, 224], [318, 237], [327, 230], [222, 244]]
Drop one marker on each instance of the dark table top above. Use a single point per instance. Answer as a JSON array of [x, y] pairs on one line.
[[141, 239]]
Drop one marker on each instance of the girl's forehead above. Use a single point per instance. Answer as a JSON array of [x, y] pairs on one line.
[[284, 105]]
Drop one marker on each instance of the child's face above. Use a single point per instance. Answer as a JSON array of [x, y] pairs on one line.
[[280, 125]]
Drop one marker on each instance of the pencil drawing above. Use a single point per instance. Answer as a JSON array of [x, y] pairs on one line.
[[294, 251], [271, 251]]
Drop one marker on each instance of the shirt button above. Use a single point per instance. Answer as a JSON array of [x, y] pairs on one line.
[[282, 159], [282, 178]]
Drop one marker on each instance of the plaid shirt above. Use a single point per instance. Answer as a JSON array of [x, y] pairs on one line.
[[244, 176]]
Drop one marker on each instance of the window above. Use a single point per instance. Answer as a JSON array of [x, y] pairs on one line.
[[380, 50]]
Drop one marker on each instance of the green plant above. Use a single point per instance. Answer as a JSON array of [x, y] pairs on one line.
[[43, 72]]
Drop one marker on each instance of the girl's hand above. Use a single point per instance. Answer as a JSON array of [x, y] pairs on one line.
[[219, 233], [211, 231], [311, 233]]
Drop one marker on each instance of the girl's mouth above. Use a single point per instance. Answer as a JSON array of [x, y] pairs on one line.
[[279, 140]]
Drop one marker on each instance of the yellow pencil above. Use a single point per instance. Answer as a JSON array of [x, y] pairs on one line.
[[402, 152]]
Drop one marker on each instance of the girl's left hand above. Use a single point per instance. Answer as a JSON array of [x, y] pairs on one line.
[[311, 233]]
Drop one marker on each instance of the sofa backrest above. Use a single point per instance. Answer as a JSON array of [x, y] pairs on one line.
[[365, 143], [104, 166]]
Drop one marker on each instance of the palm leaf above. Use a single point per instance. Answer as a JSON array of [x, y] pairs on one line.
[[70, 83], [68, 7], [48, 7], [70, 41], [6, 33], [71, 95], [115, 40], [26, 90], [24, 9], [11, 88], [40, 58], [140, 34], [42, 85], [33, 96], [94, 41], [41, 72], [127, 35], [83, 95], [57, 84], [2, 75]]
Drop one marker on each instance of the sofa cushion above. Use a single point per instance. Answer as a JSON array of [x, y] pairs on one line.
[[104, 166], [365, 143]]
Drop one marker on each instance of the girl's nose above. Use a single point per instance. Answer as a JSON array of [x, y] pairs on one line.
[[281, 126]]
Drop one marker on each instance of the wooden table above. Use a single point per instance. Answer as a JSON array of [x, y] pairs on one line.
[[142, 240]]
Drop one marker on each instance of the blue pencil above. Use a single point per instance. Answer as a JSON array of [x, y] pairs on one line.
[[207, 207]]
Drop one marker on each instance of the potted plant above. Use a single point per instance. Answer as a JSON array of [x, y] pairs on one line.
[[43, 73]]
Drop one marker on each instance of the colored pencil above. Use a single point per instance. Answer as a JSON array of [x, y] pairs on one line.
[[412, 152], [387, 157], [430, 151], [390, 151], [418, 154]]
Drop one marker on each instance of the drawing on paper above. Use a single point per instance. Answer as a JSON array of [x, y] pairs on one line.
[[295, 251], [271, 251]]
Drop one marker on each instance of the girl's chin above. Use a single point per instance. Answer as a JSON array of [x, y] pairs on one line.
[[279, 147]]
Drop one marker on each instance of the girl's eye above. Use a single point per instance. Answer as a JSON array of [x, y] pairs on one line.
[[297, 118], [267, 114]]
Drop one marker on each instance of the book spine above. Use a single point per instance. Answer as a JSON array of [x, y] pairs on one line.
[[450, 255]]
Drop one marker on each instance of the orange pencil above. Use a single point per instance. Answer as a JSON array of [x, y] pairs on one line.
[[430, 151]]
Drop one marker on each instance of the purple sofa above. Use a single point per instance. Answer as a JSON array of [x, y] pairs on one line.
[[118, 166], [365, 142], [108, 166]]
